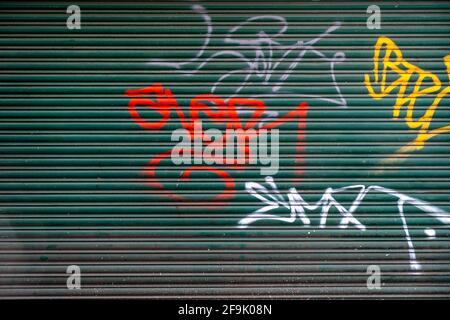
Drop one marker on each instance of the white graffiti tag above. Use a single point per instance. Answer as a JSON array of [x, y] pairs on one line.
[[261, 67], [273, 199]]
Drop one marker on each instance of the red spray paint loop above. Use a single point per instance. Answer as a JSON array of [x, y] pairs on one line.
[[227, 113]]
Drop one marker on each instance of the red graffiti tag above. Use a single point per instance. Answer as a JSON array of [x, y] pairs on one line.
[[162, 101]]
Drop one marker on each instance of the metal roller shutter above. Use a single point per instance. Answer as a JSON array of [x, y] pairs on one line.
[[87, 178]]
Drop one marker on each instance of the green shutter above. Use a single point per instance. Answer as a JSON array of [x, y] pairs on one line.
[[85, 139]]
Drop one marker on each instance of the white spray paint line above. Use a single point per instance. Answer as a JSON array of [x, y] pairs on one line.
[[297, 205], [269, 64]]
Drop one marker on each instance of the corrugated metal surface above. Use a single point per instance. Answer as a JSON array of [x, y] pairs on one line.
[[86, 179]]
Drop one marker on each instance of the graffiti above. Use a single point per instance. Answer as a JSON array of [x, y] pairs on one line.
[[392, 72], [262, 68], [258, 57], [273, 199], [218, 111]]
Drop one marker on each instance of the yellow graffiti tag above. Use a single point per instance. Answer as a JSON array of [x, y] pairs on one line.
[[403, 75]]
